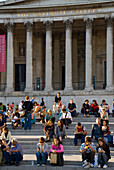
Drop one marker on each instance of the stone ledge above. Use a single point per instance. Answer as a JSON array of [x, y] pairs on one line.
[[53, 93]]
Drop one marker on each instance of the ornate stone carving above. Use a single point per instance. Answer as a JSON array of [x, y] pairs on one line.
[[29, 25], [68, 23], [109, 21], [48, 25], [9, 26], [88, 22]]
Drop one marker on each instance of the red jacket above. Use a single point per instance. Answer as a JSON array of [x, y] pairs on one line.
[[94, 106]]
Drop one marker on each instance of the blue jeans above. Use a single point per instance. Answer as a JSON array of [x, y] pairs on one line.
[[110, 138], [97, 137], [77, 136], [28, 117], [13, 157], [102, 159], [41, 157]]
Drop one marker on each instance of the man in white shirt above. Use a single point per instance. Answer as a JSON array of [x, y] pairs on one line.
[[66, 117]]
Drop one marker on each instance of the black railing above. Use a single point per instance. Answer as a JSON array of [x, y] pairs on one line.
[[20, 86], [58, 85], [78, 85], [38, 87], [99, 85]]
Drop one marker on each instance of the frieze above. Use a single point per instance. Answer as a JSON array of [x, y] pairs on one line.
[[59, 13]]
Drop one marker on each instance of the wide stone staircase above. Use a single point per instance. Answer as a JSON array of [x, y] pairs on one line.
[[72, 157]]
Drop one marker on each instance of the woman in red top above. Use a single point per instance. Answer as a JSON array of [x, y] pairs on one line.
[[94, 108]]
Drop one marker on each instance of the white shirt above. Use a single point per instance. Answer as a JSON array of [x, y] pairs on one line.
[[66, 116]]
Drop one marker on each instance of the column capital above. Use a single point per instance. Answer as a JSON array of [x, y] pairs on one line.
[[29, 25], [88, 22], [68, 23], [9, 26], [48, 25], [109, 21]]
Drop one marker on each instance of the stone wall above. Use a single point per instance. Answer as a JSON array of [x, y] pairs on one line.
[[49, 99]]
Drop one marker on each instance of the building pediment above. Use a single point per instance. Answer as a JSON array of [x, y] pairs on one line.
[[47, 3]]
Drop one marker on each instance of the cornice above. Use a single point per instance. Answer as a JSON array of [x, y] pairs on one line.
[[24, 8]]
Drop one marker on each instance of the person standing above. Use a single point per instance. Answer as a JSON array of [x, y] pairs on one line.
[[28, 106], [57, 97]]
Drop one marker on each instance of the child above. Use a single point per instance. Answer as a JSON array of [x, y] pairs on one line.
[[55, 108]]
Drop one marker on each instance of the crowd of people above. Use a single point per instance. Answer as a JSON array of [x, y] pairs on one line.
[[29, 111]]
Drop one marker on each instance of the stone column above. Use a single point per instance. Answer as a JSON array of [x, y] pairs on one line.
[[48, 65], [56, 75], [88, 71], [29, 75], [39, 57], [109, 54], [10, 58], [68, 56], [75, 60]]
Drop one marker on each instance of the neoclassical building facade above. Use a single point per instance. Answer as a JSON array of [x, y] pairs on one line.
[[58, 45]]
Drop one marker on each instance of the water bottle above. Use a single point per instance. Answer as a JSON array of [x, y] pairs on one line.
[[32, 163]]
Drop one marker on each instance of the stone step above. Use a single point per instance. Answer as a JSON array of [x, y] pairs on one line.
[[48, 167], [66, 151], [70, 132], [70, 147]]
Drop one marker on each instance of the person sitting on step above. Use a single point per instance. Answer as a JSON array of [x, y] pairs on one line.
[[57, 148], [103, 153], [60, 130], [15, 154], [49, 130], [72, 108], [42, 152], [2, 122], [80, 133], [49, 116], [85, 108], [6, 134], [106, 133], [15, 118], [59, 107], [66, 118], [96, 130], [43, 114], [104, 116], [2, 108], [104, 105], [88, 151], [94, 108], [113, 108]]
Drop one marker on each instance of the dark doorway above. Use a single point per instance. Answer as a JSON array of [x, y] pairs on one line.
[[63, 77], [20, 77], [105, 74]]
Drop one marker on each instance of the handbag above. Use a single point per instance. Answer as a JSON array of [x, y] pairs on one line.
[[22, 113], [53, 158]]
